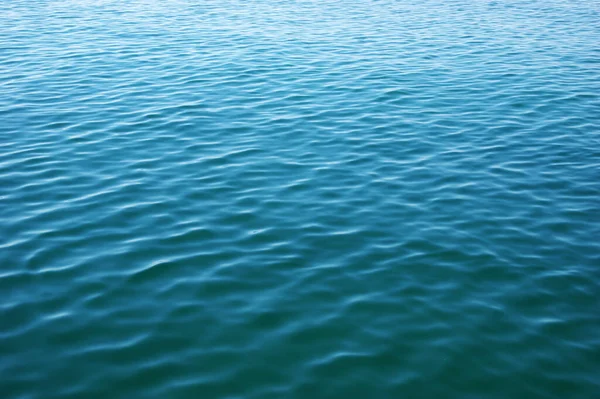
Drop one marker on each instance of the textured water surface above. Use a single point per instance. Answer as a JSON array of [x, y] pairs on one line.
[[300, 199]]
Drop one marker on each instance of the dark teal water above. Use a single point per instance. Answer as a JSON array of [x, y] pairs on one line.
[[299, 199]]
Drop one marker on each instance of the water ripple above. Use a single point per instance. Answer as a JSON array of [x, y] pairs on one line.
[[299, 199]]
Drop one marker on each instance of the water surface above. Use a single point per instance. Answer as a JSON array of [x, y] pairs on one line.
[[299, 199]]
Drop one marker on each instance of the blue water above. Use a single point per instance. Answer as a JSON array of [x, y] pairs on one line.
[[300, 199]]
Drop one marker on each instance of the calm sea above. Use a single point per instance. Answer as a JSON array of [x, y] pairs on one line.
[[248, 199]]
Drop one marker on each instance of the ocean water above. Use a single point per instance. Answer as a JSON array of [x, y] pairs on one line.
[[300, 199]]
